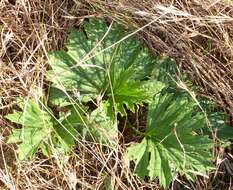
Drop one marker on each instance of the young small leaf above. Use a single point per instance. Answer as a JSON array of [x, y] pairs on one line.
[[36, 129], [102, 127]]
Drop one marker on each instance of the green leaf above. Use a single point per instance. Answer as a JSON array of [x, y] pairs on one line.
[[102, 127], [36, 128], [222, 131], [216, 125], [66, 134], [45, 149], [171, 143], [32, 115], [39, 130], [91, 69], [97, 126], [58, 98], [166, 71], [32, 140], [139, 154]]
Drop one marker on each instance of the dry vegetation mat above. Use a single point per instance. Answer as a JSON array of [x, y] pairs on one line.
[[116, 94]]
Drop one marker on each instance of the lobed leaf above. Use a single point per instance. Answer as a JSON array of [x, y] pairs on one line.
[[35, 131], [93, 67], [169, 145], [38, 130]]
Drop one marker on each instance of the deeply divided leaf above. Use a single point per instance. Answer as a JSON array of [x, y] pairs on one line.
[[171, 143], [39, 130], [98, 64]]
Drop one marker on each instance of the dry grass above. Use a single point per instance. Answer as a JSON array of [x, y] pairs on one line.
[[198, 34]]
